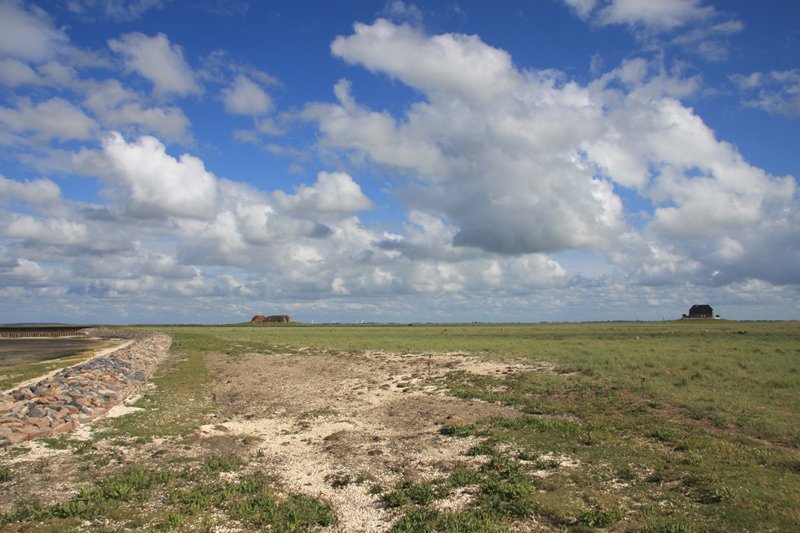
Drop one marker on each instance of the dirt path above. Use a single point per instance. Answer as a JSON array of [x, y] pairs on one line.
[[334, 426]]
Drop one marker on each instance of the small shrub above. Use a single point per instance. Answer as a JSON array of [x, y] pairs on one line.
[[5, 475]]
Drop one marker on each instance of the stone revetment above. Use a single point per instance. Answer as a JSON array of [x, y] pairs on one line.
[[81, 393]]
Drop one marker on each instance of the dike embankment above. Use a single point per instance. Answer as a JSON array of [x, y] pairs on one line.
[[79, 394]]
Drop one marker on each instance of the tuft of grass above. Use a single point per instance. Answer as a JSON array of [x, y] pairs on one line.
[[462, 476], [262, 507], [173, 520], [92, 502], [601, 518], [319, 413], [63, 442], [177, 502], [505, 489], [458, 430], [130, 482], [5, 474], [195, 500], [430, 520], [223, 463], [409, 492]]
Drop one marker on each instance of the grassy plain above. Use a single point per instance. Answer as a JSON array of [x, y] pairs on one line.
[[659, 427]]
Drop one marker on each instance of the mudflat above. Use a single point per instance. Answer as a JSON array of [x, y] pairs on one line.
[[14, 352]]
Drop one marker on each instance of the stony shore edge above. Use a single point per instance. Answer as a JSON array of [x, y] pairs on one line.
[[79, 394]]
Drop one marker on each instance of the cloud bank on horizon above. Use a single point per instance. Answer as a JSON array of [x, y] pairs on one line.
[[410, 171]]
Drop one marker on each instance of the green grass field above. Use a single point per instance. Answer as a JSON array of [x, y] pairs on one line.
[[670, 427]]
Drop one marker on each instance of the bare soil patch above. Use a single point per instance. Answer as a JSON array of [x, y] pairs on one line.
[[335, 426]]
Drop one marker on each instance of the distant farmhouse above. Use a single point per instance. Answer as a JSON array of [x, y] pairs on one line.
[[258, 319], [700, 311]]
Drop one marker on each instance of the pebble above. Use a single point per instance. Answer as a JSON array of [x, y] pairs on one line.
[[81, 393]]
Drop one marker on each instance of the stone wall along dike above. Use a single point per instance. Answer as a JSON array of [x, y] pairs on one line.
[[81, 393]]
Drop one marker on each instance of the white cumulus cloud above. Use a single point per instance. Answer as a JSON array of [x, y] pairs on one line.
[[654, 15], [38, 191], [447, 63], [113, 9], [245, 97], [776, 92], [55, 118], [46, 231], [156, 59], [693, 25], [14, 72], [333, 192], [152, 183], [28, 34], [537, 164], [120, 108], [495, 148]]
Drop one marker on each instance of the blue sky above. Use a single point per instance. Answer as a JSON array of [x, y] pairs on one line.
[[166, 161]]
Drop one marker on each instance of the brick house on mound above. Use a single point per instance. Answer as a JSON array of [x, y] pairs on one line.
[[259, 319], [700, 311]]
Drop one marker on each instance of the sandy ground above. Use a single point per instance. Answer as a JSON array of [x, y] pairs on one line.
[[334, 426]]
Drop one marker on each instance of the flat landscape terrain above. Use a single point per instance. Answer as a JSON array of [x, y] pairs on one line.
[[661, 427]]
